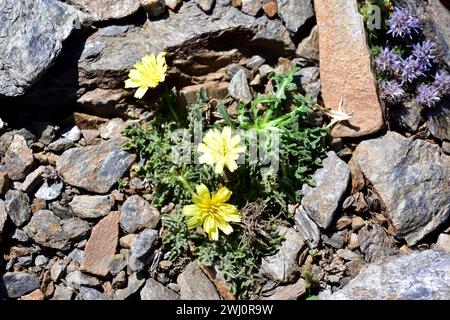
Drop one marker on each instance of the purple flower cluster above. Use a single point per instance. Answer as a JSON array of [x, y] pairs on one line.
[[429, 94], [392, 91], [388, 61], [411, 69], [403, 23], [424, 53]]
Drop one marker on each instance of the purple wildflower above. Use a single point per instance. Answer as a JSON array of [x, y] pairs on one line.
[[388, 61], [403, 23], [442, 82], [425, 53], [411, 69], [427, 95], [392, 91]]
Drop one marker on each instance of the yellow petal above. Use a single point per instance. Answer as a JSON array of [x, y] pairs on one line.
[[210, 227], [194, 222], [190, 210], [140, 92], [224, 226], [131, 84], [231, 165], [219, 166], [221, 196], [226, 133]]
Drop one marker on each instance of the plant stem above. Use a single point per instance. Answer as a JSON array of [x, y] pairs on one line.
[[186, 185]]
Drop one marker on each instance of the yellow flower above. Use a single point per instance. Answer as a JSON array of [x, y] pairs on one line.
[[212, 212], [220, 149], [148, 73]]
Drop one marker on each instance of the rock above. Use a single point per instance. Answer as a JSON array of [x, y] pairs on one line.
[[75, 228], [439, 17], [17, 284], [40, 261], [134, 284], [20, 236], [348, 255], [61, 211], [310, 83], [17, 206], [33, 180], [120, 281], [446, 147], [343, 223], [153, 290], [309, 47], [270, 8], [354, 267], [91, 207], [49, 191], [3, 215], [143, 243], [375, 243], [62, 293], [19, 158], [57, 269], [195, 285], [116, 264], [307, 228], [76, 279], [443, 243], [95, 168], [321, 202], [32, 35], [336, 241], [36, 295], [188, 95], [137, 214], [127, 241], [60, 145], [239, 88], [290, 292], [295, 13], [205, 5], [283, 266], [76, 255], [408, 177], [73, 134], [154, 8], [438, 119], [408, 115], [112, 129], [424, 276], [108, 9], [251, 7], [345, 67], [92, 294], [4, 182], [255, 62], [135, 264], [85, 121], [101, 245], [45, 229], [173, 4]]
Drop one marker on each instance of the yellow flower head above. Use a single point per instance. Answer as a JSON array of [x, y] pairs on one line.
[[147, 73], [212, 212], [220, 149]]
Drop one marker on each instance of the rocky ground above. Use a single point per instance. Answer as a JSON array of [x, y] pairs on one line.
[[376, 226]]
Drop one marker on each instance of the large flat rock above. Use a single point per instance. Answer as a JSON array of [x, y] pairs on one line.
[[345, 67], [411, 178], [416, 276], [31, 36], [102, 10]]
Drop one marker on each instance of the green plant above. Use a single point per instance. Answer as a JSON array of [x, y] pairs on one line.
[[176, 235]]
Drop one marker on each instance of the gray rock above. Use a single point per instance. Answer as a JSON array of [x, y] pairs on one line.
[[283, 266], [136, 264], [348, 255], [91, 207], [117, 264], [446, 147], [92, 294], [76, 255], [20, 235], [58, 268], [153, 290], [205, 5], [137, 214], [134, 284], [112, 129], [443, 243], [295, 13], [309, 47], [120, 281], [73, 134], [251, 7], [95, 168], [439, 17], [32, 32], [33, 180], [408, 115], [290, 292], [108, 9], [40, 261], [3, 215], [309, 81], [239, 88], [195, 285], [255, 62], [19, 283], [17, 206], [416, 276], [308, 230], [75, 228], [76, 279], [154, 8], [49, 191], [375, 243], [336, 241], [322, 201], [62, 293], [46, 230], [144, 242], [60, 145], [61, 211], [438, 119], [18, 159], [408, 175]]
